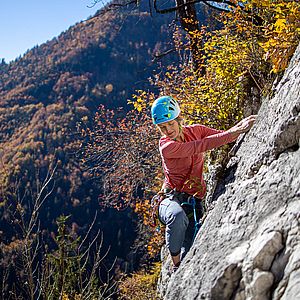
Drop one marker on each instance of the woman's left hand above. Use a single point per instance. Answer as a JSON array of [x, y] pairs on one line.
[[244, 125]]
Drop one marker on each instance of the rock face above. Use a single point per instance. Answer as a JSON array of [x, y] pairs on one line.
[[249, 245]]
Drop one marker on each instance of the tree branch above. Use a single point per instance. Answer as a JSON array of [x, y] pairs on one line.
[[162, 54], [215, 7], [110, 7], [172, 9]]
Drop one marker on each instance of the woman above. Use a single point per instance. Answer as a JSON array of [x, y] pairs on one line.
[[182, 148]]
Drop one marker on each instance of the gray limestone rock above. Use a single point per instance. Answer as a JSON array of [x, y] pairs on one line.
[[249, 245]]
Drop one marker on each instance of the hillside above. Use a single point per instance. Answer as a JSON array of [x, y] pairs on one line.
[[42, 97], [115, 47]]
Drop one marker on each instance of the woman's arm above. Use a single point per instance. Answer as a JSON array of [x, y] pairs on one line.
[[173, 149]]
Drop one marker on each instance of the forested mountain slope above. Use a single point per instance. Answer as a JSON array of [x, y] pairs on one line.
[[114, 47], [42, 97]]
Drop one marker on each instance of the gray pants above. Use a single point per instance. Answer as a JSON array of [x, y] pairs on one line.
[[179, 231]]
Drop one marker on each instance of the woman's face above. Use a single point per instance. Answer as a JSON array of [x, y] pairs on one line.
[[170, 129]]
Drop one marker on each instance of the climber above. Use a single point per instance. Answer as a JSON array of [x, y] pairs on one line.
[[181, 149]]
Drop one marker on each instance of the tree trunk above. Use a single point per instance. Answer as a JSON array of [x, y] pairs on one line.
[[189, 22]]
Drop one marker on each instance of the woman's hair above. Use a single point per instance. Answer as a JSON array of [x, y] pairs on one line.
[[180, 122]]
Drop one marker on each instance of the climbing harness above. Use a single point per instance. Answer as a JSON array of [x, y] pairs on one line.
[[186, 201]]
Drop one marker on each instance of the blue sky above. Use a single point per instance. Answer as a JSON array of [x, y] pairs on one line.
[[27, 23]]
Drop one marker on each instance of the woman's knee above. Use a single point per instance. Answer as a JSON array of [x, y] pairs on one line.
[[177, 217]]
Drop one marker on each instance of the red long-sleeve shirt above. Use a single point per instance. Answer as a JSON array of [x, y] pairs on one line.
[[183, 161]]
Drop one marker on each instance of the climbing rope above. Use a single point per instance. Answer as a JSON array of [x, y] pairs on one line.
[[198, 223]]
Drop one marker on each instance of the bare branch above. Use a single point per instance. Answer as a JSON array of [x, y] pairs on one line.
[[87, 234], [215, 7], [110, 7], [175, 8], [161, 55]]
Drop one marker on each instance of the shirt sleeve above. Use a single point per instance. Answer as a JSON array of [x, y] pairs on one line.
[[172, 149], [202, 131]]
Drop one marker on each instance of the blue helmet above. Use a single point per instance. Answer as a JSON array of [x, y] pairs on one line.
[[164, 109]]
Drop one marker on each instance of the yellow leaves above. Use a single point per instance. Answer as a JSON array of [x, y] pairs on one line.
[[139, 102], [65, 296], [141, 285], [278, 32], [282, 36], [229, 61], [280, 25], [138, 106]]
